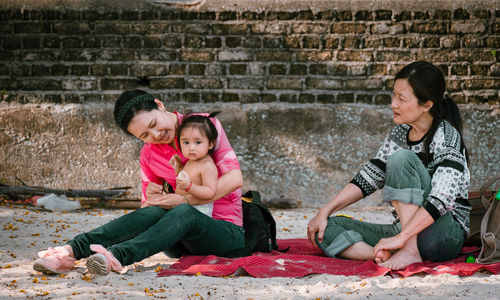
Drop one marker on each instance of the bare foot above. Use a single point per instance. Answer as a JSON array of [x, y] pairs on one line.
[[401, 259], [382, 256]]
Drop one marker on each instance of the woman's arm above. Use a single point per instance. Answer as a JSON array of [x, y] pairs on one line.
[[350, 194], [421, 220], [226, 184]]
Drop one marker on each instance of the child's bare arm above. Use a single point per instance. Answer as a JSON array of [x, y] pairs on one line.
[[208, 187]]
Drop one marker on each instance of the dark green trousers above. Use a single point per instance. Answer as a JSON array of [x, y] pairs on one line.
[[150, 230]]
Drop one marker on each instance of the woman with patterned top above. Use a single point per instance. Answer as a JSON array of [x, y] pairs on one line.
[[422, 167], [166, 221]]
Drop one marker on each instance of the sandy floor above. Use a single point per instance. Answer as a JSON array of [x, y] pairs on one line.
[[24, 231]]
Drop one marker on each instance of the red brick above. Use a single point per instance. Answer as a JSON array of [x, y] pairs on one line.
[[166, 83], [248, 83], [429, 28], [354, 55], [323, 84], [349, 28], [201, 56], [273, 56], [314, 55], [394, 55], [235, 55], [317, 28], [204, 83], [292, 41], [283, 83], [364, 84]]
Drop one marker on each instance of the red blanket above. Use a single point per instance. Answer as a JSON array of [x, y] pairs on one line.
[[302, 259]]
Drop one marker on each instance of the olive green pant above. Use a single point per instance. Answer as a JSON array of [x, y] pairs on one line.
[[408, 181]]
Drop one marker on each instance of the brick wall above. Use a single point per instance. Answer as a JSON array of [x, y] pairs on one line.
[[326, 56]]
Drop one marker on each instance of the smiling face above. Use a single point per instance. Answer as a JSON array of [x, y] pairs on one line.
[[156, 126], [405, 105], [194, 145]]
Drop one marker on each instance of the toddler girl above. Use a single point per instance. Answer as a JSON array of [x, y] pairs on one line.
[[198, 176]]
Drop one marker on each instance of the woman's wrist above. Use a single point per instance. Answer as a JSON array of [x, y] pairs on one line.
[[323, 213], [404, 235]]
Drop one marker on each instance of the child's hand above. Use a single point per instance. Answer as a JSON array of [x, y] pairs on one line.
[[176, 163], [183, 180]]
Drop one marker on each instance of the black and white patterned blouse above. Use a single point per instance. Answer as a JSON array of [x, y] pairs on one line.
[[447, 168]]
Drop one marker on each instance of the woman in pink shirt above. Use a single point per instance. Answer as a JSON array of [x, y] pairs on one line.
[[166, 221]]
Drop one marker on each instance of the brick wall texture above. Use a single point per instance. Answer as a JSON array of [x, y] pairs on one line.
[[65, 56]]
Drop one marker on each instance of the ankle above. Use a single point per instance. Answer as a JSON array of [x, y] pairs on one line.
[[411, 247]]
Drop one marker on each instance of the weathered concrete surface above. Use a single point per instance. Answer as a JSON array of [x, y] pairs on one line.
[[302, 152], [254, 5]]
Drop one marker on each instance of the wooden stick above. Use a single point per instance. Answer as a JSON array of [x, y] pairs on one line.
[[16, 191]]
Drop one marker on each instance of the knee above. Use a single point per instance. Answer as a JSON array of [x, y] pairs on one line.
[[438, 242], [401, 159], [440, 250], [183, 212], [152, 211], [332, 231]]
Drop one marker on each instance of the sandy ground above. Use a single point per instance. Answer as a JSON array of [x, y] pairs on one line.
[[24, 231]]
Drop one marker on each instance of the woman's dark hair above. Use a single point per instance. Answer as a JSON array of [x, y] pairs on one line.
[[427, 82], [203, 124], [129, 104]]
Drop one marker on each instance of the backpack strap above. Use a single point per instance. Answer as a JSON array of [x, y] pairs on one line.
[[488, 239], [484, 188]]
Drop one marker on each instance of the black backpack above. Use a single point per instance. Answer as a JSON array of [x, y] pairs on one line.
[[259, 225]]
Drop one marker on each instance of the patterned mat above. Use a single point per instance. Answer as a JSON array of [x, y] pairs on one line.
[[302, 259]]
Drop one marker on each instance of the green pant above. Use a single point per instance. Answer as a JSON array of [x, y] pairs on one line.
[[150, 230], [408, 181]]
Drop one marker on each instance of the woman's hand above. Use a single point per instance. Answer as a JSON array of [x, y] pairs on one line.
[[153, 189], [316, 225], [348, 195], [166, 201], [395, 242]]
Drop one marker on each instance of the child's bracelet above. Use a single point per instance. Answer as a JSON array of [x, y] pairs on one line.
[[187, 200], [190, 184]]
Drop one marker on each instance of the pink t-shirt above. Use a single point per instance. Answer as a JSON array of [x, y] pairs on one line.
[[155, 168]]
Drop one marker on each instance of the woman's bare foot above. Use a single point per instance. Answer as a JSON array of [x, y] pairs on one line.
[[406, 256], [382, 256]]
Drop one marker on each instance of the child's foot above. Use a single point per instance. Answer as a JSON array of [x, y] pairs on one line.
[[102, 262], [54, 261]]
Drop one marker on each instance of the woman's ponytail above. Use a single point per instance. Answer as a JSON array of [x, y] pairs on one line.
[[451, 112]]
